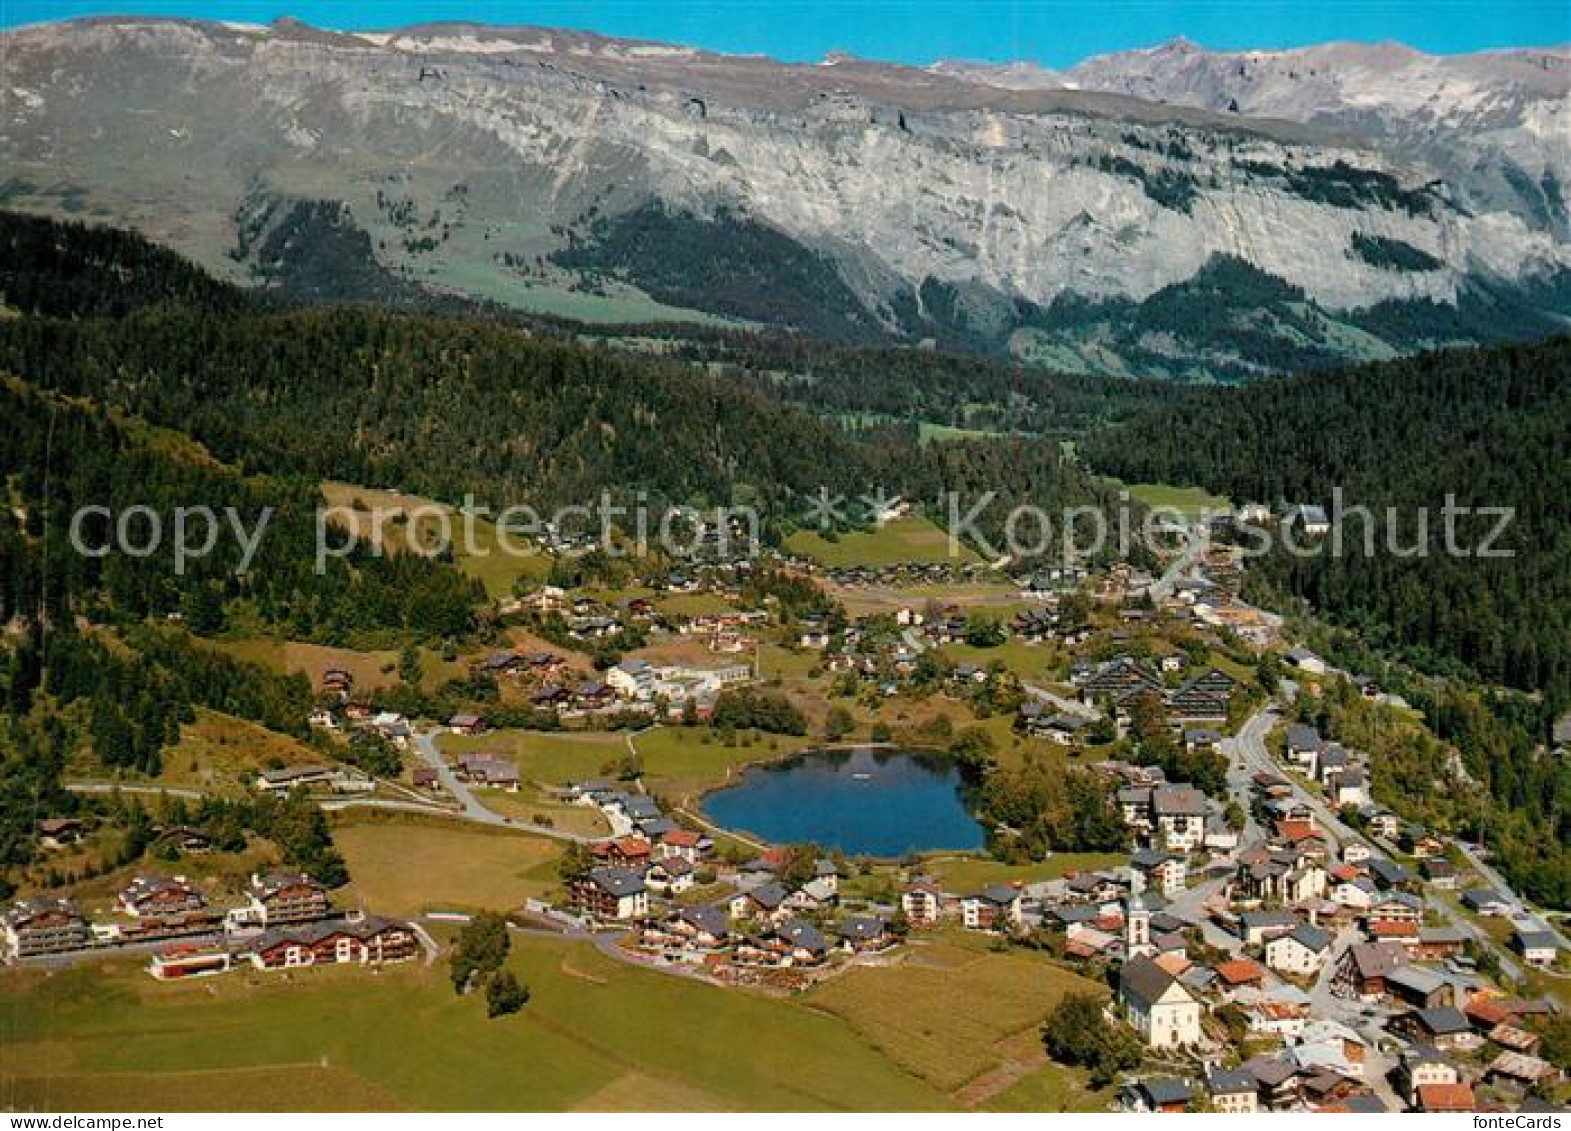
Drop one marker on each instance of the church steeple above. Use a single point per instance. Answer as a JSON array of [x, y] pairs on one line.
[[1137, 920]]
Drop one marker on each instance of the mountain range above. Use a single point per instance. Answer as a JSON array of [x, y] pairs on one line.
[[1172, 212]]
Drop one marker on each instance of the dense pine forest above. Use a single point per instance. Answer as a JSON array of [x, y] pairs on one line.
[[446, 406], [1488, 427]]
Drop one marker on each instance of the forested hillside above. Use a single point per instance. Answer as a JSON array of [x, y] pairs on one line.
[[444, 406], [1488, 427]]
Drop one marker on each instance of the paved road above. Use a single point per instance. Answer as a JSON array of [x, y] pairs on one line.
[[1498, 884], [1251, 748], [146, 790], [470, 806], [1067, 706]]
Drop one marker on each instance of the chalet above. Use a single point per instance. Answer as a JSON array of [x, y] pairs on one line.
[[160, 897], [1486, 903], [184, 839], [766, 901], [1417, 986], [502, 663], [922, 903], [633, 679], [425, 777], [1192, 704], [1383, 824], [1302, 951], [612, 894], [1438, 943], [1444, 1027], [683, 843], [1063, 729], [1156, 1095], [58, 832], [1201, 738], [994, 908], [1120, 680], [623, 852], [1422, 1067], [1537, 947], [1257, 928], [1357, 894], [1391, 876], [1233, 1091], [1179, 814], [1397, 907], [1303, 746], [337, 681], [1239, 973], [336, 779], [1165, 872], [1348, 789], [863, 933], [1446, 1098], [1440, 873], [593, 696], [671, 876], [1308, 518], [1157, 1006], [1276, 1080], [489, 771], [550, 696], [368, 941], [704, 927], [1327, 1045], [1393, 930], [176, 962], [1519, 1071], [466, 724], [794, 943], [285, 897], [1220, 836], [41, 925], [1364, 968], [390, 725]]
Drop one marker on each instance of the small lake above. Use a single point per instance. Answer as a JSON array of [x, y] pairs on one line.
[[864, 802]]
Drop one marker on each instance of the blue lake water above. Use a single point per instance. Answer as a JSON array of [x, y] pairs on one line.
[[863, 802]]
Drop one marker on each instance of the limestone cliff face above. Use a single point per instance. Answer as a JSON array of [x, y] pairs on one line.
[[473, 156]]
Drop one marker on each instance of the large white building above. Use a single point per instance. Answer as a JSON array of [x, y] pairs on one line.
[[1157, 1005]]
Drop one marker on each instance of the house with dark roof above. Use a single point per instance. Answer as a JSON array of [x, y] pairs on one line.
[[1157, 1005], [994, 908], [1233, 1091], [1537, 947], [367, 941], [614, 893], [1156, 1095], [1302, 952]]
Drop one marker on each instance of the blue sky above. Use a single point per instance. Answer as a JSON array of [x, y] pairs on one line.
[[1055, 33]]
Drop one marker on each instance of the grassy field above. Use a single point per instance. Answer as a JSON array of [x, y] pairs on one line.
[[370, 669], [910, 539], [679, 764], [596, 1034], [555, 759], [972, 873], [953, 1010], [537, 805], [485, 558], [1186, 500], [405, 868]]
